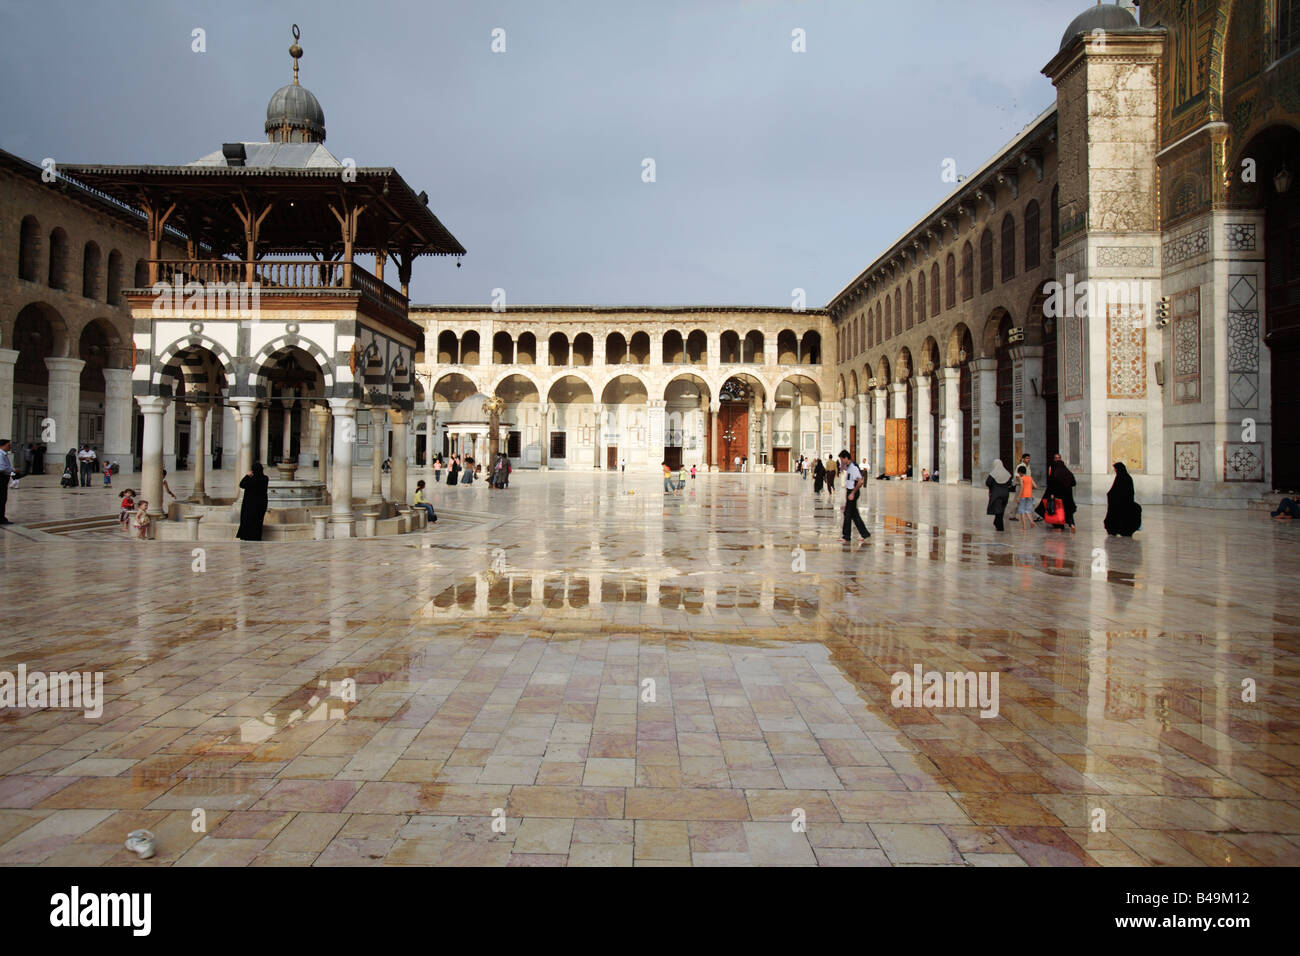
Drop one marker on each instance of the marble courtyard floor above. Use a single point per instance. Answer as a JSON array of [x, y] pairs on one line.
[[500, 664]]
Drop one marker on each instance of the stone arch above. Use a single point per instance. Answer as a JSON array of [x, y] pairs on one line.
[[787, 347], [141, 274], [526, 344], [503, 348], [470, 346], [673, 348], [557, 350], [584, 348], [839, 388], [853, 383], [697, 347], [810, 348], [37, 332], [515, 399], [616, 348], [638, 348], [802, 384], [623, 372], [751, 350], [729, 347], [518, 370], [904, 365], [168, 353], [988, 342], [866, 377], [960, 337], [578, 373], [930, 356], [448, 348], [323, 362], [452, 387], [883, 372], [1033, 316], [693, 379]]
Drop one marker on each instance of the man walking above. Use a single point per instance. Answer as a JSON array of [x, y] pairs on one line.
[[86, 461], [6, 472], [853, 486]]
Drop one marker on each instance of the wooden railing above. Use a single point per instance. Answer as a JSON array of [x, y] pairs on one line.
[[283, 274]]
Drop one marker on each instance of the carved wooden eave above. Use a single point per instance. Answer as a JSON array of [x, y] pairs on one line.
[[1011, 180]]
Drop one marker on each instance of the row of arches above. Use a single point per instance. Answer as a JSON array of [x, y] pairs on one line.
[[620, 349], [936, 290], [50, 259]]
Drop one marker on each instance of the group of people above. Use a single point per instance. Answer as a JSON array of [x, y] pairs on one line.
[[134, 515], [675, 486], [1056, 507]]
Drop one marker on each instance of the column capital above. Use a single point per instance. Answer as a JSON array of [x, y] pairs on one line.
[[951, 374], [66, 366], [346, 407], [245, 405], [1022, 352], [880, 394], [898, 388], [399, 416], [8, 356], [153, 404]]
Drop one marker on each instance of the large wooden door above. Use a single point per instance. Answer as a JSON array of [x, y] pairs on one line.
[[733, 419], [853, 442], [611, 458], [896, 440], [782, 459]]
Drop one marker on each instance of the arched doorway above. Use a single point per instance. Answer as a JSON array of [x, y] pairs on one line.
[[1277, 149], [737, 400], [686, 421], [571, 431], [624, 420], [522, 400], [292, 381]]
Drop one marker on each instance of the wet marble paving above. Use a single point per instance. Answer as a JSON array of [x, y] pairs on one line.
[[583, 671]]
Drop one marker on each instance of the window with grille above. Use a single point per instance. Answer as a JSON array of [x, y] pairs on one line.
[[1008, 247], [986, 261], [1288, 26], [1031, 236]]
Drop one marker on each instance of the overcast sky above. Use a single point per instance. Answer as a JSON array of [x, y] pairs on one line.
[[774, 170]]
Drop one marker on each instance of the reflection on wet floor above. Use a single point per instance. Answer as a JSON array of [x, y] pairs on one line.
[[504, 664], [492, 593]]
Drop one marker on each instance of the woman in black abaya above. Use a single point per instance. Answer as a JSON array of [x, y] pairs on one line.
[[252, 512], [1060, 485], [819, 476], [1123, 514]]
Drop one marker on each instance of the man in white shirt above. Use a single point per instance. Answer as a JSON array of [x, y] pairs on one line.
[[86, 459], [853, 486]]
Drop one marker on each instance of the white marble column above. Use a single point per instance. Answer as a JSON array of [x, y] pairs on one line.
[[951, 426], [286, 440], [119, 411], [1030, 417], [198, 441], [154, 408], [322, 414], [64, 408], [7, 359], [924, 426], [863, 451], [245, 409], [429, 449], [378, 423], [984, 407], [264, 438], [397, 479], [769, 422], [344, 411], [169, 439], [882, 415]]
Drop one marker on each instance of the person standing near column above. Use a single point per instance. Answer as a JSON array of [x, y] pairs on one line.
[[6, 472], [853, 487], [85, 460]]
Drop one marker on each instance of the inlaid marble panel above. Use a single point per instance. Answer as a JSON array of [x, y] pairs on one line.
[[1126, 351], [1187, 347], [1187, 461]]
